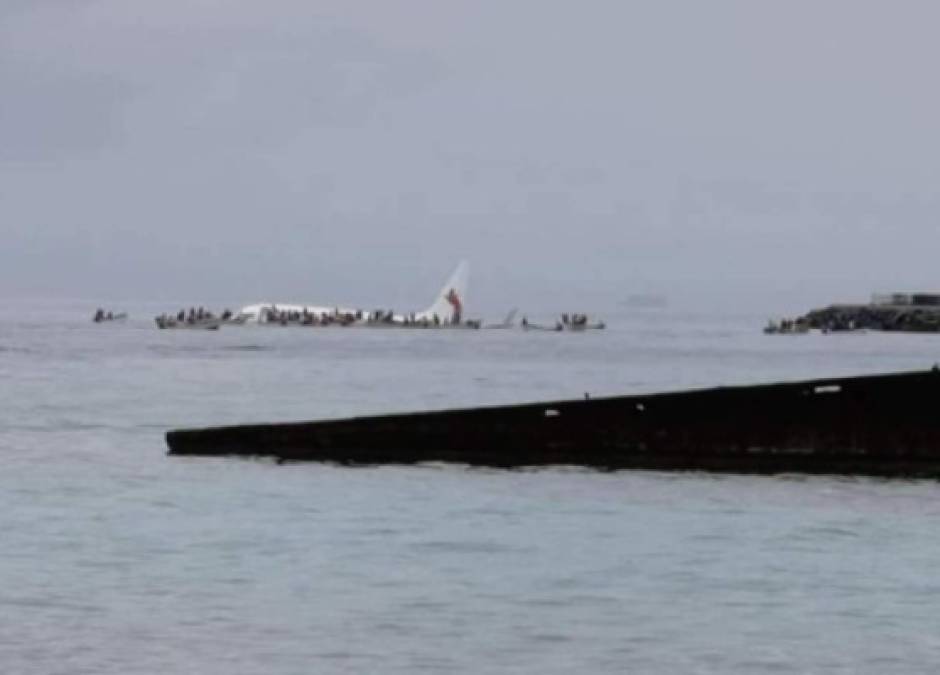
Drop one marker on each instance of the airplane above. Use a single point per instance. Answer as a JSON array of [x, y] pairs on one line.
[[445, 312]]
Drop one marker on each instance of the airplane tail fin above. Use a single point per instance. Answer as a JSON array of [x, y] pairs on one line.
[[449, 304]]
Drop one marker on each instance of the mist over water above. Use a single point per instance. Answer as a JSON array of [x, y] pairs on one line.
[[119, 559]]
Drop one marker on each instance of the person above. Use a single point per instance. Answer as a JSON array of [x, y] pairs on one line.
[[454, 299]]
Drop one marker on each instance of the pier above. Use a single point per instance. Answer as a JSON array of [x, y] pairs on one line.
[[879, 425]]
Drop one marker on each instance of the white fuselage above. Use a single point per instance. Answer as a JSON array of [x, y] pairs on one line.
[[445, 310]]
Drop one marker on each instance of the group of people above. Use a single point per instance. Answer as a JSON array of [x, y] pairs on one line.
[[101, 316], [375, 318], [568, 322], [382, 316], [800, 325], [194, 316], [409, 320], [308, 318], [574, 319]]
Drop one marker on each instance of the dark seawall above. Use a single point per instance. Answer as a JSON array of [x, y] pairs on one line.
[[882, 425]]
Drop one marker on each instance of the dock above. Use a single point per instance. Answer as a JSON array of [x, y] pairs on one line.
[[878, 425]]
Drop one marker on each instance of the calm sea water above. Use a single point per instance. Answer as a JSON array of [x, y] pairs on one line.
[[118, 559]]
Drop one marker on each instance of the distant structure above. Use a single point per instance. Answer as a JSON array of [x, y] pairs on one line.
[[906, 299]]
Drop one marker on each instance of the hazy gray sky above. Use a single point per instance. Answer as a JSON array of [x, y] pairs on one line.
[[355, 151]]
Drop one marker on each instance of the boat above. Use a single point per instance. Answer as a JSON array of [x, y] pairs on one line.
[[879, 425], [580, 322], [172, 323], [529, 326], [107, 317]]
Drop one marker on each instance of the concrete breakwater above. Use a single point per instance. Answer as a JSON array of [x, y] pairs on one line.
[[902, 318], [883, 425]]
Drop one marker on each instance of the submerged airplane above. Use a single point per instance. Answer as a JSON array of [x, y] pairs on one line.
[[446, 311]]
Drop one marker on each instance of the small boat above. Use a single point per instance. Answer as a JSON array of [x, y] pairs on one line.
[[598, 325], [104, 317], [169, 322], [579, 322], [528, 325]]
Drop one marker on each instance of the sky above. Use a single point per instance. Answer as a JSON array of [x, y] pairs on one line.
[[353, 151]]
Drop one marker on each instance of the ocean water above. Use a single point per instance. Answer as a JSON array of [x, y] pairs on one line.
[[118, 559]]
